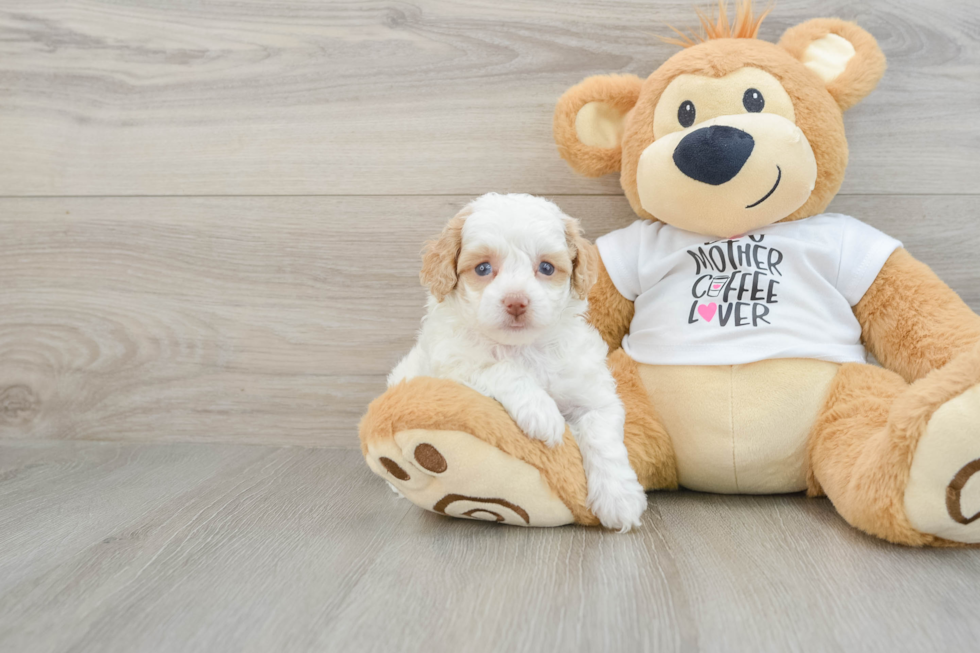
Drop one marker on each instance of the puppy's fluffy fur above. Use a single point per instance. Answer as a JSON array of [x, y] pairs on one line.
[[508, 281]]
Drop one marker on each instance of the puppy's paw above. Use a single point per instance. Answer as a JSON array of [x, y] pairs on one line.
[[541, 421], [618, 503]]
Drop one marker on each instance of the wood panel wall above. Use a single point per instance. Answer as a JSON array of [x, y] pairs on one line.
[[210, 213]]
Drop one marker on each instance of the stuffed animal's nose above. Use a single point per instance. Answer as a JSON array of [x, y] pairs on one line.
[[713, 154], [516, 304]]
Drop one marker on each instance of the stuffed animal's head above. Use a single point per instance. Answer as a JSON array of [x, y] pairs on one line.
[[731, 133]]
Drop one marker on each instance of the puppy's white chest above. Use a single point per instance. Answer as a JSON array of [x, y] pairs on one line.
[[541, 367], [549, 376]]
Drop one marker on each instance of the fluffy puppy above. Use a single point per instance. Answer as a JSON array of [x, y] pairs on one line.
[[508, 281]]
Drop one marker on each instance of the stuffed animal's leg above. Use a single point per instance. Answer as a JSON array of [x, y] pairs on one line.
[[451, 450], [899, 461]]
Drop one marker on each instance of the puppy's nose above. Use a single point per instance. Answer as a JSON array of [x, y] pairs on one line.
[[714, 154], [516, 304]]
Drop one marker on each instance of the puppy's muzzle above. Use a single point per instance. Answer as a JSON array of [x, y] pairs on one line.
[[516, 305]]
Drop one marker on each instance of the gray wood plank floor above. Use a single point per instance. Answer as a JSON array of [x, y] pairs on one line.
[[196, 547]]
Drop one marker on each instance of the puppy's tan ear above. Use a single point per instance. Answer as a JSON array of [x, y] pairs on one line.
[[843, 55], [590, 119], [439, 257], [585, 259]]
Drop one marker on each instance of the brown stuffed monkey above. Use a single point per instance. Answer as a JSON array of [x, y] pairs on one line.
[[737, 312]]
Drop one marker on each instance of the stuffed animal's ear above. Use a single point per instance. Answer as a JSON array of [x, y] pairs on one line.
[[439, 257], [843, 55], [585, 259], [589, 122]]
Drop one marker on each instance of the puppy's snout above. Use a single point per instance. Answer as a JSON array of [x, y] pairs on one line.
[[715, 154], [516, 304]]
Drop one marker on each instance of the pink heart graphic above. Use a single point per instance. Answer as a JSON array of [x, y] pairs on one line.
[[707, 311]]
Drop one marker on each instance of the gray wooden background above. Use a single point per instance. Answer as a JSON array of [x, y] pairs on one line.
[[210, 219], [210, 213]]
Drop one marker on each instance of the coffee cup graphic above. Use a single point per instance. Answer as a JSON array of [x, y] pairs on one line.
[[717, 283]]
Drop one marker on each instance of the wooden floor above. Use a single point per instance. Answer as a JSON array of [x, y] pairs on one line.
[[210, 219], [204, 547]]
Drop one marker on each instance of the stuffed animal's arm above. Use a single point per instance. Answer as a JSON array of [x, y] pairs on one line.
[[911, 321], [609, 312]]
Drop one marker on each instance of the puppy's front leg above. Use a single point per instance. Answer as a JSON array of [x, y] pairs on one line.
[[523, 398], [408, 368], [615, 495]]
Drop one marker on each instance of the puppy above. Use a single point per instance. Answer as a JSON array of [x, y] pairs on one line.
[[508, 283]]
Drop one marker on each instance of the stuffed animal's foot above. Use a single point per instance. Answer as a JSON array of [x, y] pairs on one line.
[[942, 497], [456, 474]]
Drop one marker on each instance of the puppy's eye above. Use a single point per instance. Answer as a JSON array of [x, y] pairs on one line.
[[546, 268], [483, 269], [753, 101], [686, 113]]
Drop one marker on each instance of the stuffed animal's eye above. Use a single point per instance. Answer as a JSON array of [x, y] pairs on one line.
[[686, 113], [753, 101], [546, 268], [483, 269]]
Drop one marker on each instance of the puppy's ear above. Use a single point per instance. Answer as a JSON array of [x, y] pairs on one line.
[[585, 259], [440, 255]]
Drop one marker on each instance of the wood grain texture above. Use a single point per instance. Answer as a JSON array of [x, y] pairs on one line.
[[185, 548], [426, 97], [286, 160], [266, 320]]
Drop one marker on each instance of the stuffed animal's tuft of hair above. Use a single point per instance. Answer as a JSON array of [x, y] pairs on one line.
[[745, 26]]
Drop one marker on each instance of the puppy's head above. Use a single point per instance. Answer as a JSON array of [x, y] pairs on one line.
[[512, 264]]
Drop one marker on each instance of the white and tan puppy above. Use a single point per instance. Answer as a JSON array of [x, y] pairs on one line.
[[508, 281]]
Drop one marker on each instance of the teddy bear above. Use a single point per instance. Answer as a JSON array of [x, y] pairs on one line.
[[739, 315]]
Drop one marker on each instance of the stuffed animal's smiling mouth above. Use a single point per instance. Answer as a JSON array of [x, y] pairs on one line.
[[779, 177]]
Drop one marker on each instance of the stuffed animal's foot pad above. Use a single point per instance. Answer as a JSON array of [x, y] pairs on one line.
[[942, 497], [456, 474]]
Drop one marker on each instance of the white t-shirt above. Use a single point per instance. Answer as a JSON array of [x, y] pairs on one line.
[[782, 291]]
